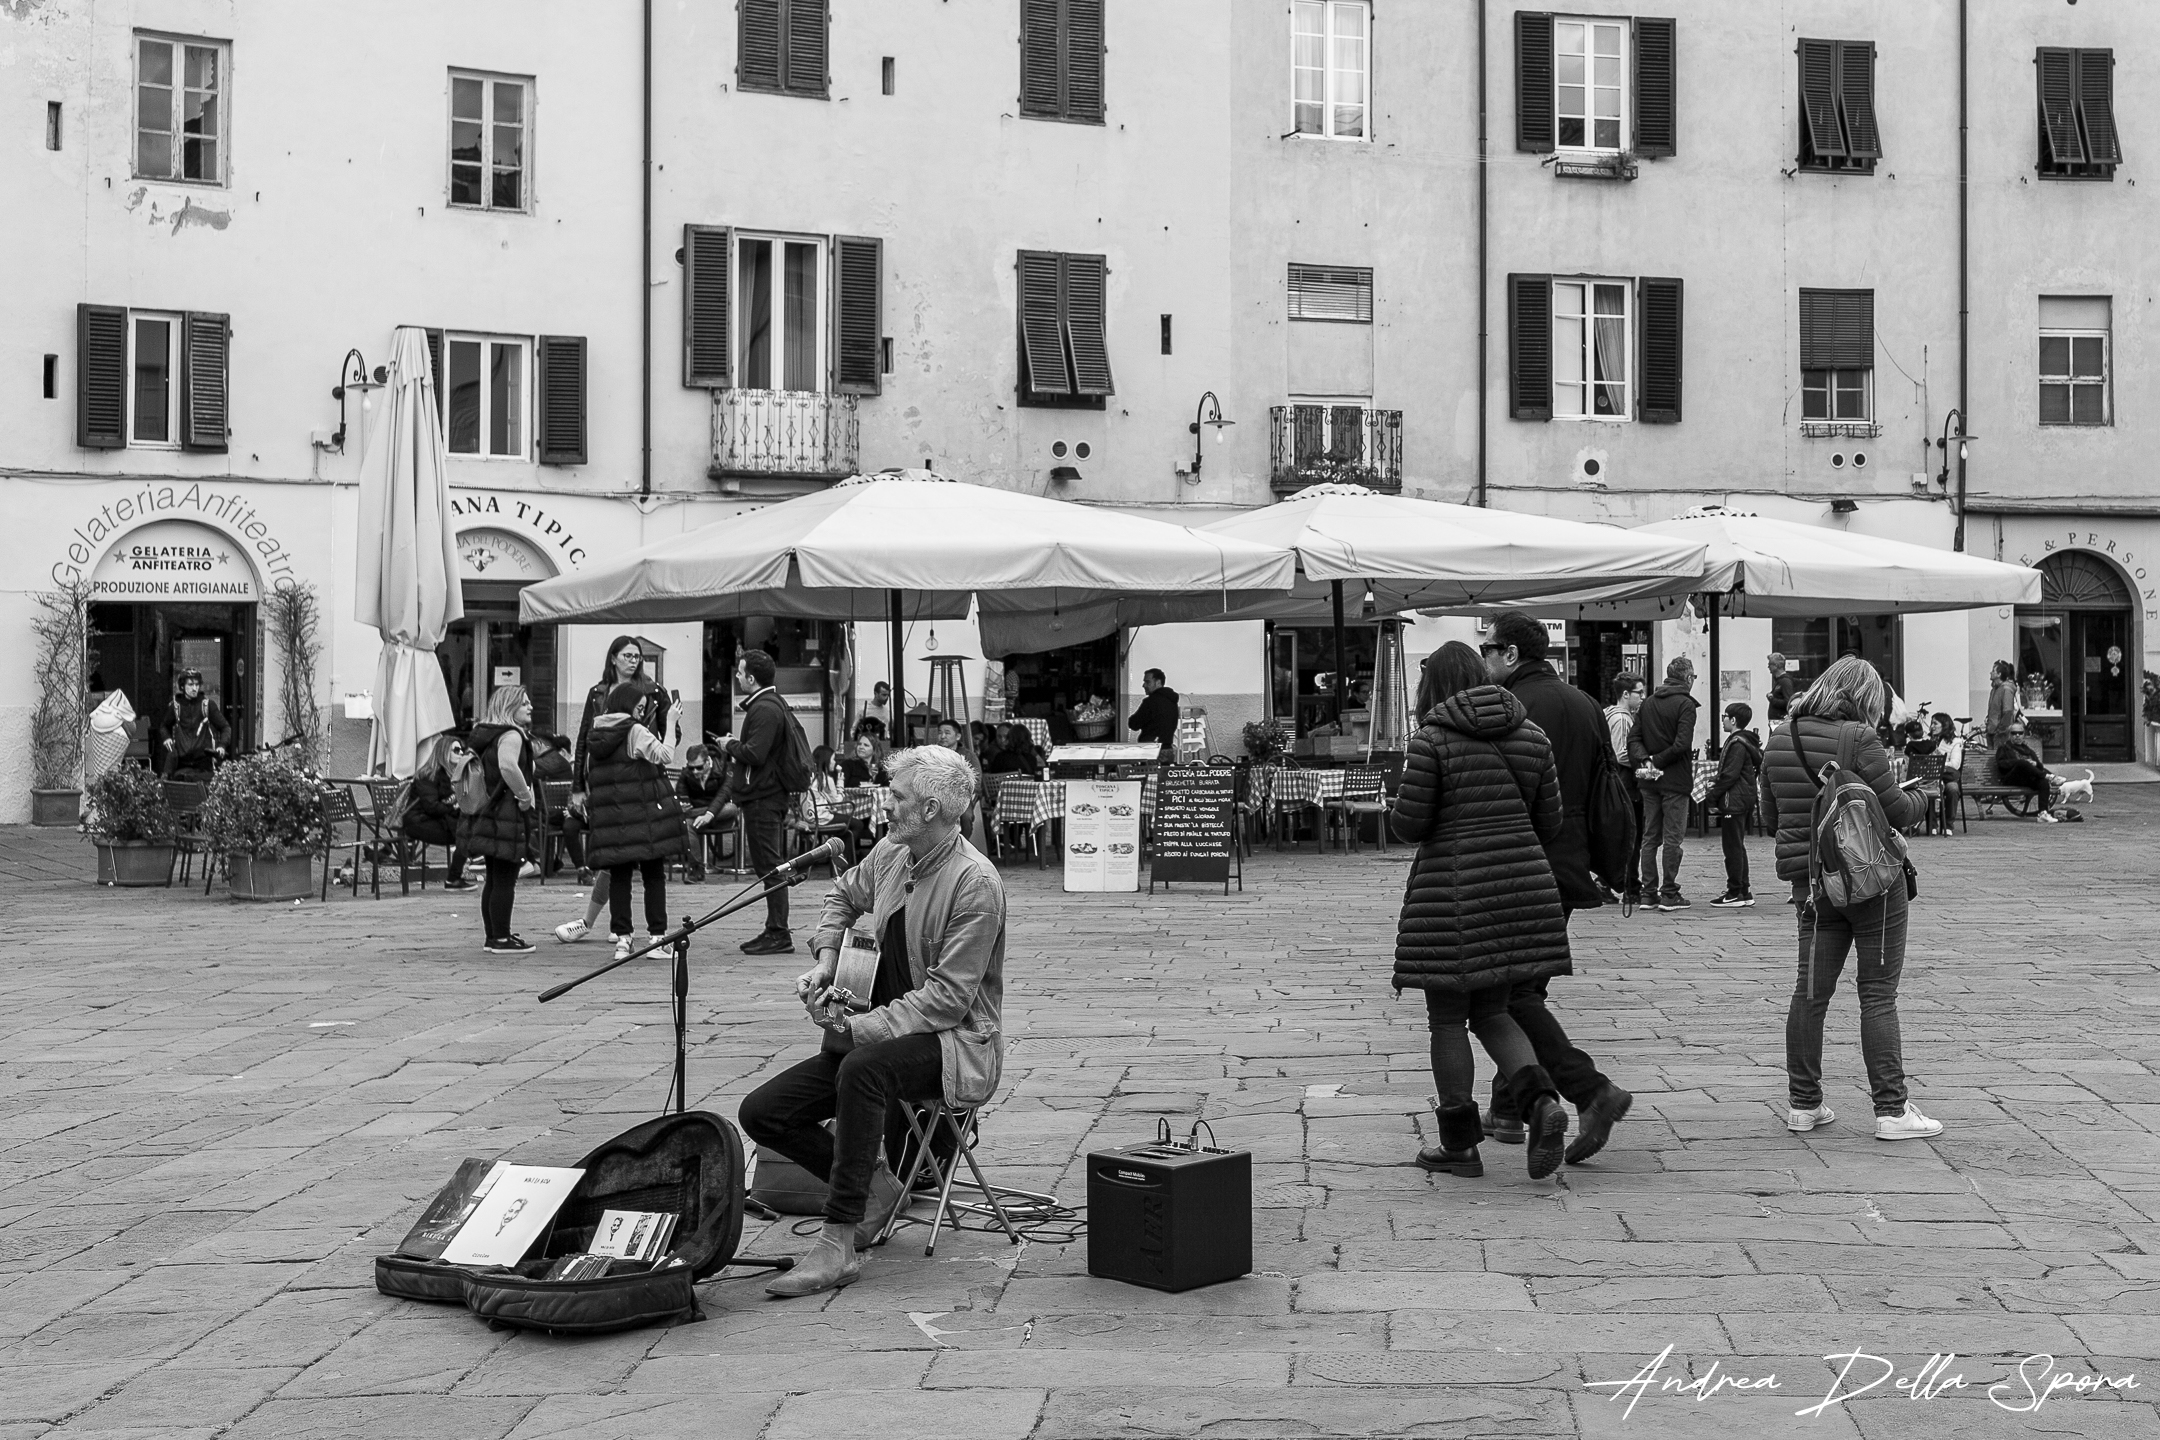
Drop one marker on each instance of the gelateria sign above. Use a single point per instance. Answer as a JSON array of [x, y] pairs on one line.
[[92, 543], [2110, 546], [175, 560]]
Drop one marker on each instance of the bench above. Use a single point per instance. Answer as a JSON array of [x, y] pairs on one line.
[[1977, 780]]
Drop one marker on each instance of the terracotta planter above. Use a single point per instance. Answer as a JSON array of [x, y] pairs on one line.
[[289, 877], [56, 807], [134, 863]]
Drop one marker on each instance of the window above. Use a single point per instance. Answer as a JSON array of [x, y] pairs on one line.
[[490, 125], [1331, 292], [1064, 354], [153, 368], [179, 109], [1837, 356], [52, 125], [1330, 68], [763, 312], [1061, 60], [150, 379], [485, 396], [1837, 106], [1592, 348], [779, 319], [2074, 335], [2078, 140], [781, 46], [1595, 86]]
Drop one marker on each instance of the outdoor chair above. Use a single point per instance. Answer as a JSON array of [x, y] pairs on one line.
[[1364, 794], [554, 801], [185, 797], [384, 792], [1254, 784], [943, 1136], [1928, 770], [813, 822], [345, 828]]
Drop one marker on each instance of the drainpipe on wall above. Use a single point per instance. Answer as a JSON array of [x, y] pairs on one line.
[[1964, 291], [645, 290], [1483, 280]]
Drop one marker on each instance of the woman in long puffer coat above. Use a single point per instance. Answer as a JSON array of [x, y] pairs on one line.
[[1481, 912]]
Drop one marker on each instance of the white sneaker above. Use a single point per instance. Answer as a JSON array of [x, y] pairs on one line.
[[573, 932], [529, 870], [1802, 1121], [624, 944], [1912, 1125], [2046, 817], [650, 940]]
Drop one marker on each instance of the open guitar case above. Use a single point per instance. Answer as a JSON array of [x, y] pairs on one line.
[[689, 1163]]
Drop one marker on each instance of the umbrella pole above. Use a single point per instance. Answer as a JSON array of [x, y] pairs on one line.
[[897, 735], [1717, 683], [1342, 666]]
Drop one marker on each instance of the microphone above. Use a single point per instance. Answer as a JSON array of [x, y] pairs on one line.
[[831, 850]]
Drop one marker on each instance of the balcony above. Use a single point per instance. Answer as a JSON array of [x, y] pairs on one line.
[[1312, 444], [787, 434]]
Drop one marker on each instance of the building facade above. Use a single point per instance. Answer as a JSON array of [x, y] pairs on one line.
[[1605, 266]]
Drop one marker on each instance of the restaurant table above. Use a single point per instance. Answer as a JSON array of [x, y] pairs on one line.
[[1307, 787]]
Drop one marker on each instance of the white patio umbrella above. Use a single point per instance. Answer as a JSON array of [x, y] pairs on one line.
[[407, 581]]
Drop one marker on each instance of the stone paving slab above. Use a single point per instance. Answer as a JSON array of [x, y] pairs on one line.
[[214, 1115]]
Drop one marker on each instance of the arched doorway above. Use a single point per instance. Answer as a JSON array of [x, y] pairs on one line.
[[489, 649], [2075, 662]]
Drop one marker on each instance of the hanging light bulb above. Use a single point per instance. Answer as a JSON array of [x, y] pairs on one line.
[[1370, 606], [931, 643]]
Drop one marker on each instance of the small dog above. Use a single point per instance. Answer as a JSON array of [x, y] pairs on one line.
[[2077, 791]]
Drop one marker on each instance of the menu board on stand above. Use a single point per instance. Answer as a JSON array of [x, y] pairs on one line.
[[1195, 835], [1102, 835]]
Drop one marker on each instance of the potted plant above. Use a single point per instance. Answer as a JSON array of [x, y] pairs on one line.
[[127, 817], [265, 815], [62, 631], [1267, 741]]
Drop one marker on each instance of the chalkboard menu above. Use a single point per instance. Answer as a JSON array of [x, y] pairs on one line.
[[1195, 816]]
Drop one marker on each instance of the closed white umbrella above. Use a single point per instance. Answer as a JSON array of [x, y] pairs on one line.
[[407, 584]]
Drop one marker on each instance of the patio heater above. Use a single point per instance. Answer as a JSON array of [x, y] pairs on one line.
[[1391, 718]]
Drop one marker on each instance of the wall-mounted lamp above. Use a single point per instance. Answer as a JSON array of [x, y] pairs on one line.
[[1960, 439], [1208, 413], [353, 374]]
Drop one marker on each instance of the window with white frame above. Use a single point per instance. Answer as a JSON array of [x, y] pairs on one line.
[[153, 379], [1837, 395], [781, 304], [490, 141], [1590, 83], [1331, 68], [180, 119], [1591, 345], [2074, 360], [487, 397]]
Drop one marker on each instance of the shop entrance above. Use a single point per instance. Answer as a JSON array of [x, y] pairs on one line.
[[1302, 665], [1604, 648], [1067, 681], [805, 653], [2074, 671], [489, 650], [1877, 639]]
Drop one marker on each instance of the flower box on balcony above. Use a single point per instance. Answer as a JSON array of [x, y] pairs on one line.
[[1350, 444]]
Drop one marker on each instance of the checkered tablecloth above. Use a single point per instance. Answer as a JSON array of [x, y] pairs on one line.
[[1038, 730], [862, 802], [1021, 801], [1307, 787]]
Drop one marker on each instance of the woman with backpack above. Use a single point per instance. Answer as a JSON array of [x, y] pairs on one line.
[[1833, 725], [635, 823], [1481, 911], [499, 829]]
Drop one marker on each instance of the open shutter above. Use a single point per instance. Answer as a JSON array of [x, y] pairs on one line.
[[806, 47], [857, 326], [561, 424], [1837, 329], [1818, 97], [1039, 67], [1086, 323], [1084, 60], [1660, 303], [1042, 346], [101, 377], [757, 57], [706, 349], [2096, 105], [1656, 83], [2058, 107], [204, 414], [435, 364], [1533, 82], [1856, 97], [1529, 310]]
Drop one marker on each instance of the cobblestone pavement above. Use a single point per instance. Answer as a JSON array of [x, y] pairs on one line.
[[213, 1116]]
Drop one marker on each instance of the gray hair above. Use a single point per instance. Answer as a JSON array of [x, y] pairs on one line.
[[1850, 689], [940, 774]]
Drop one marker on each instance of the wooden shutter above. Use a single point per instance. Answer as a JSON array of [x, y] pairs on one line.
[[2096, 105], [1837, 329], [2060, 144], [1039, 60], [857, 316], [101, 377], [435, 367], [805, 71], [1656, 84], [1818, 97], [1086, 323], [1529, 309], [1084, 60], [758, 44], [1042, 346], [1533, 82], [205, 344], [707, 259], [561, 423], [1856, 97], [1660, 305]]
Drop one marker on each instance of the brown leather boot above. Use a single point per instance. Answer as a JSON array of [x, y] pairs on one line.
[[828, 1264]]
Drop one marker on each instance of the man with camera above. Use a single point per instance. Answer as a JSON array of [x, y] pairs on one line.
[[930, 909]]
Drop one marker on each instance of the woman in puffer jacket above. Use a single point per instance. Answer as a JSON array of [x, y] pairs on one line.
[[1841, 709], [1481, 911]]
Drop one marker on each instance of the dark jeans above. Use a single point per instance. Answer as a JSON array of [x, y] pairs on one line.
[[439, 832], [1635, 875], [1878, 928], [1733, 828], [766, 821], [497, 893], [854, 1090], [1575, 1075], [654, 874], [2025, 772], [1664, 819], [572, 843], [1486, 1013]]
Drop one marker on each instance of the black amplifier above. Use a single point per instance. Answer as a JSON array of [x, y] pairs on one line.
[[1169, 1216]]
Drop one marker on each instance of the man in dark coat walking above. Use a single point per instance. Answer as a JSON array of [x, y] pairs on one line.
[[760, 791], [1575, 727], [1663, 749]]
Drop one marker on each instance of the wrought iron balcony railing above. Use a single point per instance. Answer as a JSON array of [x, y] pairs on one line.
[[1309, 444], [801, 434]]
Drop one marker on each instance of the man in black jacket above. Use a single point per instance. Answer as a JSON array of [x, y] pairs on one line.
[[759, 791], [1515, 657], [1663, 749], [1733, 792], [1156, 719]]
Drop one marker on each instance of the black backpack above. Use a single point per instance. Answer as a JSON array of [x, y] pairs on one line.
[[1610, 818], [794, 756]]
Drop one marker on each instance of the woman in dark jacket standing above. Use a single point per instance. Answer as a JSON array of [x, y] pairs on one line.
[[635, 822], [1841, 710], [1481, 912], [502, 746]]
